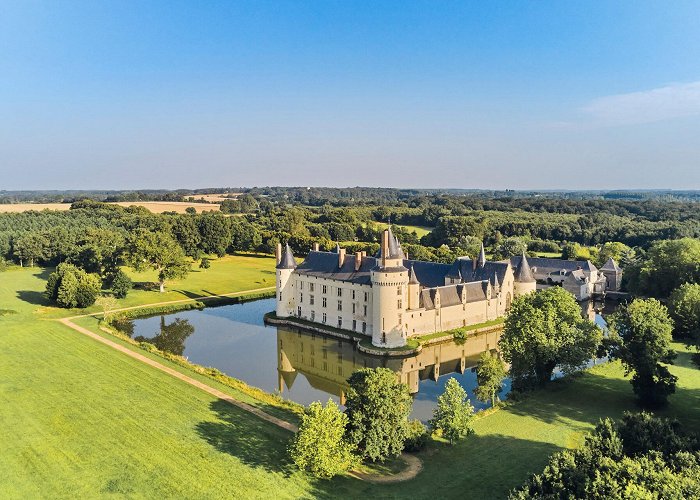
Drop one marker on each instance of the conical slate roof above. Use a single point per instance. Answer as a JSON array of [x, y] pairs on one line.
[[395, 251], [523, 273], [494, 282], [482, 257], [412, 280], [287, 261], [611, 265]]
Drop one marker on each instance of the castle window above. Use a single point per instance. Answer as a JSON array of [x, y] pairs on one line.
[[324, 289], [353, 308], [399, 304], [311, 287], [353, 295], [398, 290], [313, 315], [364, 327], [301, 297], [323, 302], [301, 285], [340, 322], [340, 292], [366, 296], [311, 299], [299, 311], [280, 296], [354, 325], [364, 309], [340, 305], [324, 318]]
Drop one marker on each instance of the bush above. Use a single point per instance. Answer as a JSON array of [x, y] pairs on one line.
[[70, 286], [416, 436], [121, 284], [205, 263]]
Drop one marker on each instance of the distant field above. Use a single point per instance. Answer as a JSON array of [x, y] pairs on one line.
[[216, 198], [153, 206], [420, 230]]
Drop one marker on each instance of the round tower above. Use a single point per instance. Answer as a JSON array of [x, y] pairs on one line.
[[524, 282], [389, 294], [285, 286]]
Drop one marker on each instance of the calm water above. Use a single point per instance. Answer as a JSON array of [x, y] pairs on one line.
[[301, 366]]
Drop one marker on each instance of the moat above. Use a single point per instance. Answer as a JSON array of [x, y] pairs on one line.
[[303, 366]]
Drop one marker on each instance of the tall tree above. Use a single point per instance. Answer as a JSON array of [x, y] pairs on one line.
[[641, 339], [320, 446], [684, 306], [454, 413], [490, 373], [545, 330], [160, 252], [377, 407]]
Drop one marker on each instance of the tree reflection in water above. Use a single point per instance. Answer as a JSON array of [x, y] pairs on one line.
[[171, 338]]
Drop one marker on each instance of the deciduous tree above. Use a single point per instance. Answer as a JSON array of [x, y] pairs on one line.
[[544, 330], [641, 339], [320, 446], [377, 406], [490, 373], [454, 413], [160, 252]]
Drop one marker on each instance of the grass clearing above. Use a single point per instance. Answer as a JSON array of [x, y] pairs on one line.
[[81, 419]]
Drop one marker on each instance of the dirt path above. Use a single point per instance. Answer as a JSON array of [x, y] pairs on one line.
[[200, 385], [414, 466], [178, 301]]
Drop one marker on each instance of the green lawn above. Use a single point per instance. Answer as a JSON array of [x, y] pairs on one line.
[[420, 230], [80, 419], [228, 274]]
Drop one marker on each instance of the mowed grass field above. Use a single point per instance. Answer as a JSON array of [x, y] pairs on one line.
[[80, 419], [154, 206], [228, 274]]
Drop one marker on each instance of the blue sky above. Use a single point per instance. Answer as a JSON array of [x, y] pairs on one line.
[[520, 95]]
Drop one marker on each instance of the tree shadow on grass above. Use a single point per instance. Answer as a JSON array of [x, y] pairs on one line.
[[250, 439], [480, 466], [578, 401], [33, 297]]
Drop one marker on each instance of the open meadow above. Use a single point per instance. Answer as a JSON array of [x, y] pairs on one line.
[[157, 207], [81, 419]]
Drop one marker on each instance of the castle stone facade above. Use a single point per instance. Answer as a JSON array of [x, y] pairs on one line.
[[390, 298]]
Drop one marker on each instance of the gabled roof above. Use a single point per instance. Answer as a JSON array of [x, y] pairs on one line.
[[611, 265], [287, 261], [523, 273], [451, 295], [545, 265], [325, 265]]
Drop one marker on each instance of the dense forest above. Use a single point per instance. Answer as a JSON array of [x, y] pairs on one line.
[[437, 226]]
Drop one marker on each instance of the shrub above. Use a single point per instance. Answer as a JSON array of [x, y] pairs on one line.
[[70, 286], [205, 263], [121, 284], [416, 436]]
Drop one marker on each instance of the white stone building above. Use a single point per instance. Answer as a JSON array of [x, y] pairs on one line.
[[390, 297]]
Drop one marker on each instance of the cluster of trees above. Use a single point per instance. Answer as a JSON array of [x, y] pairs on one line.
[[640, 457], [375, 424]]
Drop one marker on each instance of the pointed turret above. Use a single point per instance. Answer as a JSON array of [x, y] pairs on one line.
[[412, 280], [495, 284], [611, 265], [481, 262], [523, 273], [337, 248], [287, 261], [524, 279]]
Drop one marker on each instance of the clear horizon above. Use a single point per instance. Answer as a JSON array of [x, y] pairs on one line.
[[525, 96]]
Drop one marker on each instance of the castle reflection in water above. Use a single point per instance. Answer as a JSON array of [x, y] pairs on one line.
[[327, 362]]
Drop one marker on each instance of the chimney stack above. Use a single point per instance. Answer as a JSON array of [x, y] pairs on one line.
[[278, 253], [385, 246], [315, 247], [358, 260], [341, 257]]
